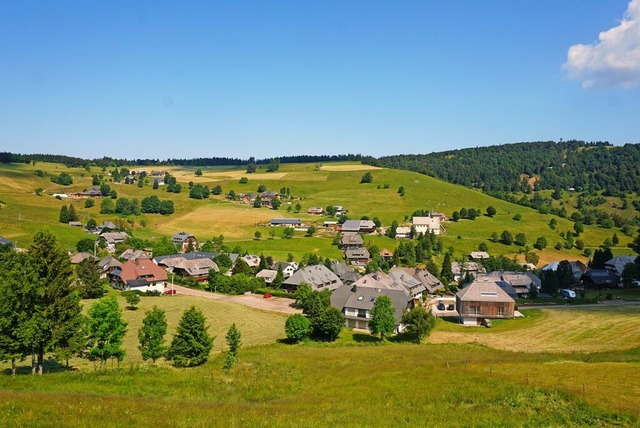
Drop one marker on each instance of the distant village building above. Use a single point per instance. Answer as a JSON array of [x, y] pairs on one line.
[[427, 225], [521, 282], [318, 276], [184, 241], [287, 222], [617, 264], [141, 274], [483, 300], [461, 269], [358, 226], [403, 232]]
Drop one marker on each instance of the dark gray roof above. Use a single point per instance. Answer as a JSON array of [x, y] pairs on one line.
[[351, 226], [357, 253], [287, 221], [344, 272], [429, 281], [354, 239], [4, 241]]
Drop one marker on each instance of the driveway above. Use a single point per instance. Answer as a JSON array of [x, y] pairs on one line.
[[257, 301]]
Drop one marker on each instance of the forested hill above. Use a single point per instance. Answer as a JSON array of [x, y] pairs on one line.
[[508, 167]]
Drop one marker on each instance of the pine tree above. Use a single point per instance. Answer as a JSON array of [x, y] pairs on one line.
[[64, 215], [263, 263], [89, 280], [382, 317], [234, 343], [106, 330], [279, 279], [58, 301], [72, 215], [151, 334], [192, 343], [446, 273]]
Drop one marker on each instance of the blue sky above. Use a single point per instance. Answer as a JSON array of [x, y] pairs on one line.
[[189, 79]]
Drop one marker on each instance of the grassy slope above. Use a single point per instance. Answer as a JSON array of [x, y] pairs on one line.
[[338, 185]]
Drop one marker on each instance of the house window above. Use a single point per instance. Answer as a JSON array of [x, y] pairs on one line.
[[475, 310], [501, 310], [362, 313]]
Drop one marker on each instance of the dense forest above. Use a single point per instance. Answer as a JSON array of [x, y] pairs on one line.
[[591, 166], [70, 161]]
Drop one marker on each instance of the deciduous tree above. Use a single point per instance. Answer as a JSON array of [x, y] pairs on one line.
[[106, 330], [382, 317]]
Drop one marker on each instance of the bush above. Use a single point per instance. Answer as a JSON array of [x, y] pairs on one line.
[[297, 327]]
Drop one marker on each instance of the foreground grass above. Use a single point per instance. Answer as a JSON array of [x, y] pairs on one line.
[[575, 329], [282, 385]]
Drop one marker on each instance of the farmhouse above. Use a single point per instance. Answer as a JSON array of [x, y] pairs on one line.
[[184, 240], [315, 211], [385, 254], [357, 226], [478, 255], [107, 265], [461, 269], [600, 278], [318, 276], [426, 225], [89, 193], [80, 257], [427, 279], [348, 242], [172, 260], [287, 222], [522, 282], [252, 260], [141, 274], [268, 275], [403, 232], [288, 269], [346, 274], [617, 264], [113, 238], [578, 268], [131, 254], [197, 269], [356, 300], [357, 256], [483, 300], [413, 285]]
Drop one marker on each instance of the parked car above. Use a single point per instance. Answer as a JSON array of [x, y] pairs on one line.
[[441, 306], [267, 295], [451, 307], [171, 291]]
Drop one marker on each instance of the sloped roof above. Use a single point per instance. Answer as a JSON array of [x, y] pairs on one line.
[[458, 268], [268, 275], [357, 253], [618, 263], [344, 272], [411, 283], [131, 254], [483, 291], [80, 257], [142, 269], [197, 267], [354, 239], [109, 262], [317, 275]]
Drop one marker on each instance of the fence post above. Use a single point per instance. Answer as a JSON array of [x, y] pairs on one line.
[[527, 376]]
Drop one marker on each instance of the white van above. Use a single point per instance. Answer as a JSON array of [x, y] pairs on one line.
[[569, 294]]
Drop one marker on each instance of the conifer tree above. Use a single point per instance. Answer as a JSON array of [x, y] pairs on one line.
[[151, 334], [192, 343]]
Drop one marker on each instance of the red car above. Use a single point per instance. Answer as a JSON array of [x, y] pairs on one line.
[[267, 295], [170, 291]]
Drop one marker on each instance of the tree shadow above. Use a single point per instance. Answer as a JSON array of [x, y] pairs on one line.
[[49, 366], [365, 338], [404, 337]]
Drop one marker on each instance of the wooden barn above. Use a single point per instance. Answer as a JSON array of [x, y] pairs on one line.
[[483, 300]]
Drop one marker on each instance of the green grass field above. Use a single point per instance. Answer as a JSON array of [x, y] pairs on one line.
[[23, 213]]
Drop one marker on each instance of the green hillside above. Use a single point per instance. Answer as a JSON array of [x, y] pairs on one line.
[[23, 212]]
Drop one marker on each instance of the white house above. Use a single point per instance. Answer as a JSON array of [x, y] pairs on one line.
[[426, 225]]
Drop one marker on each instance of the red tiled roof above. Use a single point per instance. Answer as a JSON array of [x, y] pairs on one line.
[[145, 268]]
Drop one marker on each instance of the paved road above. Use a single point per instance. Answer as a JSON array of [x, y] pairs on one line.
[[590, 305], [274, 304]]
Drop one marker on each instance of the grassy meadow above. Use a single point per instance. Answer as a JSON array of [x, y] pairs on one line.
[[320, 384], [22, 213]]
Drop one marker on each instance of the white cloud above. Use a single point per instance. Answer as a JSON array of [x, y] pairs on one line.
[[614, 60]]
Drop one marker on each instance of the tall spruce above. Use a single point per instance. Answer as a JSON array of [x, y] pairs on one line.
[[151, 334], [57, 305], [90, 285], [446, 274], [191, 343], [233, 342]]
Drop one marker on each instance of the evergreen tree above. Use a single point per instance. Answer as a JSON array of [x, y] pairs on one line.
[[233, 342], [88, 274], [58, 303], [72, 215], [446, 273], [151, 334], [106, 330], [64, 214], [382, 317], [263, 263], [241, 267], [191, 343]]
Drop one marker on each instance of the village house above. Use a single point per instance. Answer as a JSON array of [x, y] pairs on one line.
[[412, 284], [340, 211], [385, 254], [426, 225], [521, 282], [286, 222], [358, 226], [431, 284], [478, 255], [357, 256], [197, 269], [268, 275], [483, 300], [288, 268], [331, 225], [80, 257], [107, 265], [318, 276], [600, 278], [403, 232], [577, 267], [617, 264], [131, 254], [92, 192], [252, 260], [247, 198], [461, 269], [113, 238], [184, 241], [141, 274], [170, 261], [315, 211], [356, 300], [348, 242], [346, 274]]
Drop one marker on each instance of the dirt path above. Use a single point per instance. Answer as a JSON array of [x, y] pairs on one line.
[[257, 301]]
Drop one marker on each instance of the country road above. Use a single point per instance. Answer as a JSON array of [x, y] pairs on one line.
[[257, 301]]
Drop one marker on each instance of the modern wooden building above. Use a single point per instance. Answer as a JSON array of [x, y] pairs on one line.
[[483, 300]]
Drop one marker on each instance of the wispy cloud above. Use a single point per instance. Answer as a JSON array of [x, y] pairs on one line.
[[614, 60]]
